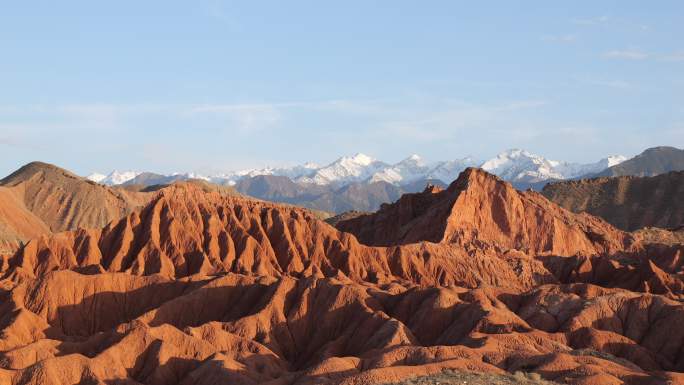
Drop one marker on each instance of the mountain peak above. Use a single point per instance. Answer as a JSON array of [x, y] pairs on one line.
[[414, 159], [26, 171], [362, 159]]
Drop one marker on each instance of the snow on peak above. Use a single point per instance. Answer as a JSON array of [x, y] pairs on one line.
[[448, 171], [362, 159], [574, 170], [113, 178], [406, 171], [96, 177], [344, 170], [514, 165], [521, 165], [614, 160]]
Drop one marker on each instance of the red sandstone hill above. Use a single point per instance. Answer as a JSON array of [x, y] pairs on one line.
[[200, 287], [481, 208]]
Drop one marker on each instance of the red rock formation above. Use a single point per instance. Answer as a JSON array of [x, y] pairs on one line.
[[204, 288], [479, 208], [185, 231]]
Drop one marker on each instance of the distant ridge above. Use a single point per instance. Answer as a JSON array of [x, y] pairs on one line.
[[652, 161], [514, 165], [627, 202]]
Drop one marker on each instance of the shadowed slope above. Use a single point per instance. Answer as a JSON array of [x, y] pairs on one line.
[[653, 161], [627, 202]]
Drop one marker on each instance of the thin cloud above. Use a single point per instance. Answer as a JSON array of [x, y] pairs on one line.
[[244, 118], [610, 21], [619, 84], [629, 54], [445, 122], [673, 57], [569, 38], [635, 54], [7, 141], [592, 20]]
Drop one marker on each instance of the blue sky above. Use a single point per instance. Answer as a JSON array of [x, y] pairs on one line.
[[220, 85]]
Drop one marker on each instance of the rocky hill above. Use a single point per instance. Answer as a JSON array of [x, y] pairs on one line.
[[653, 161], [627, 202], [40, 198]]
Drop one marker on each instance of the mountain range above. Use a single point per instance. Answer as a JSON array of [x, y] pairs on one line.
[[362, 183], [517, 166]]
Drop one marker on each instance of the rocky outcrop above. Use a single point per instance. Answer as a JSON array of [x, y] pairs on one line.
[[479, 208]]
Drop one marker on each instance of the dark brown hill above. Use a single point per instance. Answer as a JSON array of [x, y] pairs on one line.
[[40, 198], [651, 162], [627, 202]]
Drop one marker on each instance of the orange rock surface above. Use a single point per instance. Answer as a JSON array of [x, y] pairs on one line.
[[206, 288]]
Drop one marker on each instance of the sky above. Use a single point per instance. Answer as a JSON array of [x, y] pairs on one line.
[[211, 85]]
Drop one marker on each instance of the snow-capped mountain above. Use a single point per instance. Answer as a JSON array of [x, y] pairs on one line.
[[575, 170], [516, 166], [96, 177], [448, 171], [346, 169], [408, 170], [522, 166], [113, 178]]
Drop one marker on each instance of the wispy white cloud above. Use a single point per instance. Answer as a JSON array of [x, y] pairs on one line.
[[627, 54], [637, 54], [673, 57], [567, 38], [619, 84], [592, 20], [7, 141], [449, 121], [610, 21]]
